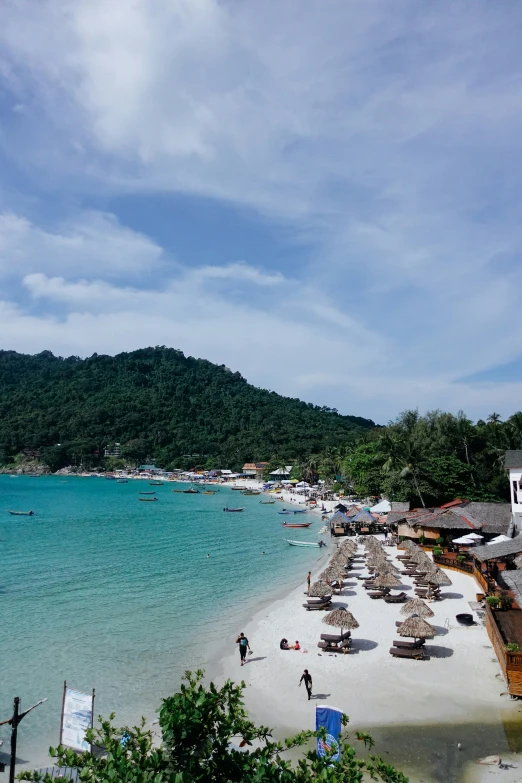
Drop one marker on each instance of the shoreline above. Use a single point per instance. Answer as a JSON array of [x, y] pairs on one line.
[[457, 689]]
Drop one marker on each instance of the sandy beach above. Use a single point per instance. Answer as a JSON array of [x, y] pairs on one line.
[[460, 684]]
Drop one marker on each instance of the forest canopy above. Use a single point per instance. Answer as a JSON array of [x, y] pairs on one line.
[[160, 405]]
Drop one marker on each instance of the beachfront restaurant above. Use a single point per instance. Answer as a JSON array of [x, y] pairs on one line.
[[354, 522], [454, 520]]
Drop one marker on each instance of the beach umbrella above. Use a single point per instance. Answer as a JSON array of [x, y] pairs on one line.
[[320, 590], [341, 618], [409, 544], [416, 606], [387, 580], [333, 574], [437, 577], [416, 628]]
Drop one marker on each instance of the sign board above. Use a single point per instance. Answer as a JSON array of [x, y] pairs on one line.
[[77, 717], [329, 718]]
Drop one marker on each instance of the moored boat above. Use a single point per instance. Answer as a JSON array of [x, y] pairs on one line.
[[155, 483], [230, 510], [147, 493], [267, 502], [22, 513], [191, 491], [296, 524], [251, 492], [122, 481], [206, 492], [305, 543], [147, 500]]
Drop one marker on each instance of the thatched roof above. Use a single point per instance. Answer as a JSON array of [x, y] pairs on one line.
[[397, 505], [341, 618], [387, 580], [416, 606], [513, 580], [320, 590], [364, 516], [437, 577], [339, 519], [417, 628], [332, 573], [494, 551], [408, 544]]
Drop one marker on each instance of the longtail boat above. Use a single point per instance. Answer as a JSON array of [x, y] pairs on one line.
[[305, 543], [147, 493], [296, 524], [267, 502], [22, 513], [230, 510], [148, 500]]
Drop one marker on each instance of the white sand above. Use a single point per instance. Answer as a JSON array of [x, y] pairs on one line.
[[461, 681]]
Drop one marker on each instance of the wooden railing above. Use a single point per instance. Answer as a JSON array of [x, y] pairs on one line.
[[510, 662], [449, 562]]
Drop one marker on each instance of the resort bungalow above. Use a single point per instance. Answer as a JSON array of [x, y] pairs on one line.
[[452, 520], [281, 474], [255, 470]]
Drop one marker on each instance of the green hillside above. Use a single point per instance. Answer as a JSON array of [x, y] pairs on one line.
[[159, 404]]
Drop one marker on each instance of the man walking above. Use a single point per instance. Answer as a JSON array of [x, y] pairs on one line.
[[243, 646], [307, 677], [308, 578]]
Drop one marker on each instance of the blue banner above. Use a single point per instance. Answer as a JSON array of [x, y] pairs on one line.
[[330, 718]]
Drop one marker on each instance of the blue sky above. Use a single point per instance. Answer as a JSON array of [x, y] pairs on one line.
[[323, 196]]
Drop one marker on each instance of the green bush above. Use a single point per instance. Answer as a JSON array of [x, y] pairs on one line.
[[437, 551], [513, 647], [493, 601], [439, 541], [422, 539], [461, 558]]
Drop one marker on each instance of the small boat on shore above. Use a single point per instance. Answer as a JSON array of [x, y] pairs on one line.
[[230, 510], [22, 513], [305, 543], [147, 500], [296, 524]]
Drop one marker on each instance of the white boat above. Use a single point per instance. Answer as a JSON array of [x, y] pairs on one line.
[[304, 543]]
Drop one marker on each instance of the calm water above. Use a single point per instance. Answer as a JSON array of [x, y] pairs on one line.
[[118, 595]]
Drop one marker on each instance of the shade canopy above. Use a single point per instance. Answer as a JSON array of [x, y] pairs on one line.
[[464, 540], [320, 589], [437, 577], [416, 628], [381, 508], [387, 580], [499, 539], [476, 536], [341, 618], [416, 606]]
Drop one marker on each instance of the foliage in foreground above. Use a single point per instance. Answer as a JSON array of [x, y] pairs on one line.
[[202, 731]]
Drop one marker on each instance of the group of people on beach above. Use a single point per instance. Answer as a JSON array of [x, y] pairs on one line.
[[283, 645], [244, 646]]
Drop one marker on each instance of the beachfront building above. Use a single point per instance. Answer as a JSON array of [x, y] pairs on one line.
[[255, 470], [513, 464], [281, 474], [452, 520]]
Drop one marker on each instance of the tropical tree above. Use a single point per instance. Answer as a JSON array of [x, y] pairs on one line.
[[207, 737]]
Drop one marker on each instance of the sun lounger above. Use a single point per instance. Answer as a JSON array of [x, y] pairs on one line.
[[322, 605], [344, 647], [409, 645], [401, 652], [332, 637], [400, 598], [377, 594], [398, 623]]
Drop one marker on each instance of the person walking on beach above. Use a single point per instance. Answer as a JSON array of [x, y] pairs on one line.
[[308, 578], [243, 646], [307, 677]]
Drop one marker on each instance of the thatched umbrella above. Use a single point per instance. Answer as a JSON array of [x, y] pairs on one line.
[[341, 618], [409, 544], [416, 628], [416, 606], [333, 574], [387, 580], [437, 577], [320, 590]]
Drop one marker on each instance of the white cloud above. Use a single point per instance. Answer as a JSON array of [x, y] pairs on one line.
[[93, 244], [386, 135]]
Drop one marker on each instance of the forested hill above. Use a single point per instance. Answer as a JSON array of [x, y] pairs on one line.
[[159, 404]]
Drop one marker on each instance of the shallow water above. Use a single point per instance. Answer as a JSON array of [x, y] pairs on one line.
[[110, 593]]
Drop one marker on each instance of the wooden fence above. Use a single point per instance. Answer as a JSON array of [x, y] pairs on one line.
[[510, 663], [453, 564]]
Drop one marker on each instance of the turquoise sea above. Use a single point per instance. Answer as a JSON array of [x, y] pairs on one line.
[[111, 593]]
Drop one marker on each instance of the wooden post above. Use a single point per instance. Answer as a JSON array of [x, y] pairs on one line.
[[63, 707], [14, 732]]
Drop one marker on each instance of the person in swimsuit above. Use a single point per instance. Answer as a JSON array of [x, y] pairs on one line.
[[243, 646], [308, 579], [296, 646], [307, 678]]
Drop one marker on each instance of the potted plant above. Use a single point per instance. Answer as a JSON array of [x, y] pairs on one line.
[[493, 601], [513, 647], [437, 551], [422, 539], [439, 541], [461, 558]]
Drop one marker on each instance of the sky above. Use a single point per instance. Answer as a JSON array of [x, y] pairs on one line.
[[323, 196]]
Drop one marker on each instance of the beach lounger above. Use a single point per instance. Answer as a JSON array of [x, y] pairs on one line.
[[377, 594], [409, 645], [401, 652], [400, 598], [344, 647], [332, 637], [322, 605], [398, 623]]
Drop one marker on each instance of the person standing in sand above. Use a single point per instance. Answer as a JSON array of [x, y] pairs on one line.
[[308, 579], [307, 677], [243, 646]]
